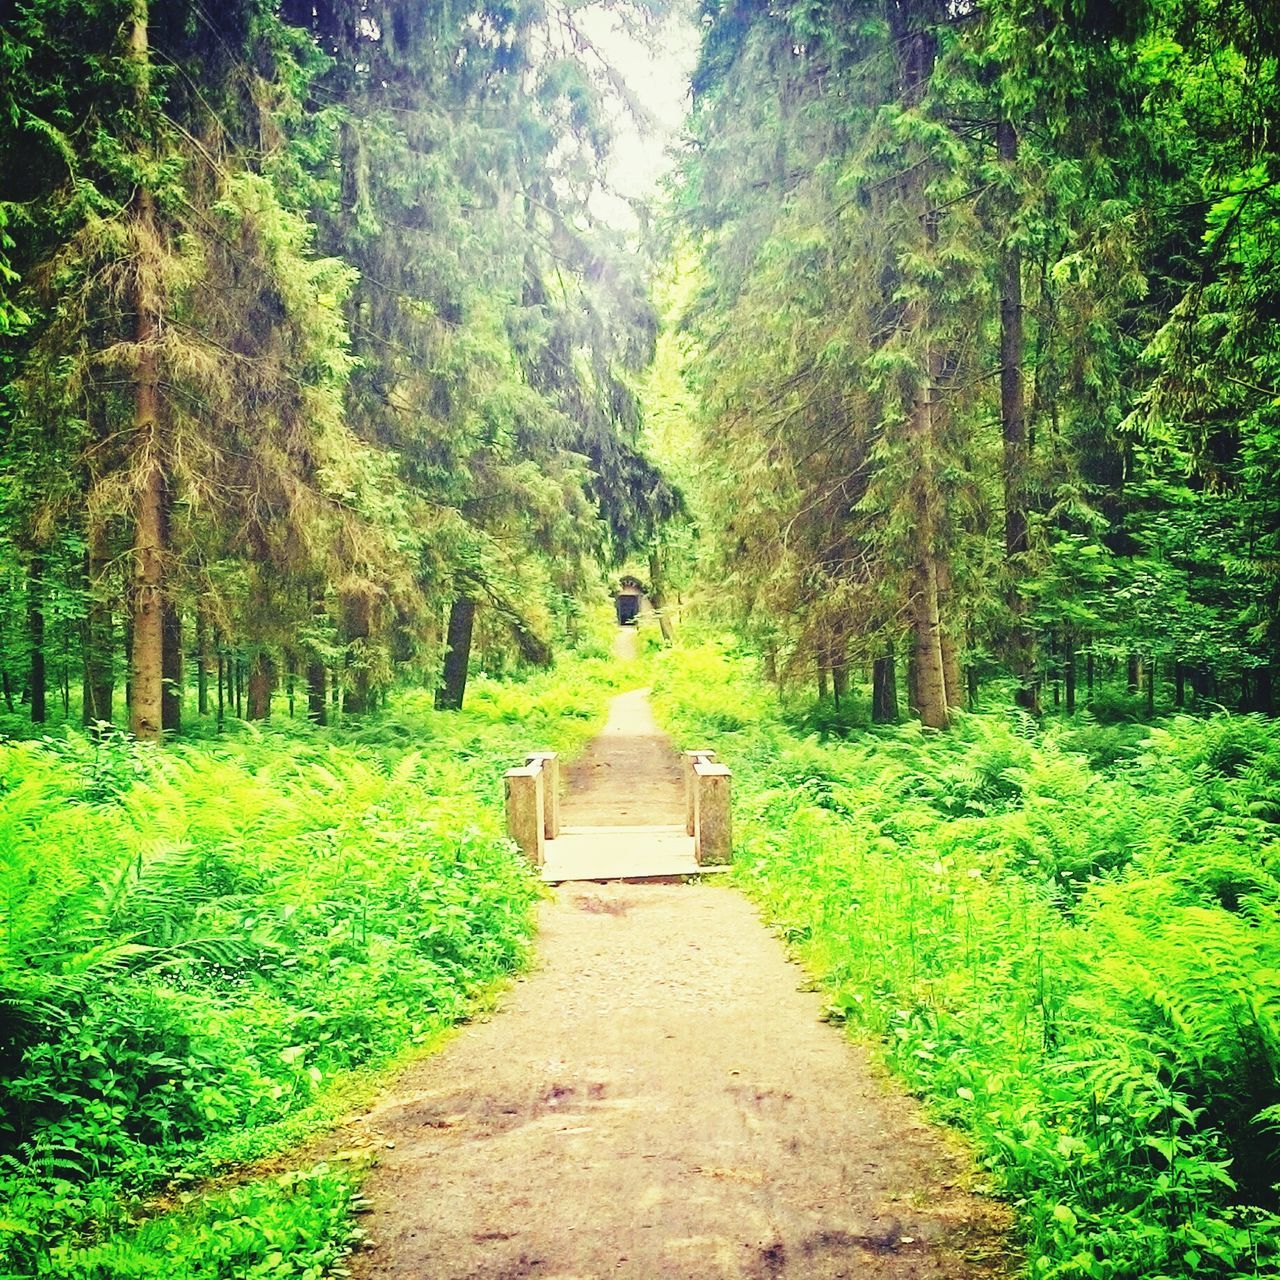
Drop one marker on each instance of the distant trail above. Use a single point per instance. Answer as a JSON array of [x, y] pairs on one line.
[[628, 775], [659, 1100]]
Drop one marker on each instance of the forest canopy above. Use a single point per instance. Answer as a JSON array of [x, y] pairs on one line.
[[314, 358], [984, 347]]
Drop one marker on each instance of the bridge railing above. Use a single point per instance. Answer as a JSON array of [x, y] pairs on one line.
[[532, 795], [708, 813]]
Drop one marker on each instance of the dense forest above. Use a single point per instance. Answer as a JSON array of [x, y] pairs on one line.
[[934, 400], [983, 343], [315, 360]]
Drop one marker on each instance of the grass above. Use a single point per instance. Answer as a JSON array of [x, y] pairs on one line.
[[1066, 938], [203, 950]]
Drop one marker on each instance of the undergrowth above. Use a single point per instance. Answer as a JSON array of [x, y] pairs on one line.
[[197, 943], [1066, 938]]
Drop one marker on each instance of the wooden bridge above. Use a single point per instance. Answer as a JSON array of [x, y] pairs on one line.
[[629, 774]]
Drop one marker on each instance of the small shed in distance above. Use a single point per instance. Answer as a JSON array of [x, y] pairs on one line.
[[628, 600]]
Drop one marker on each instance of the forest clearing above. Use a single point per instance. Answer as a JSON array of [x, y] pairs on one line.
[[883, 396]]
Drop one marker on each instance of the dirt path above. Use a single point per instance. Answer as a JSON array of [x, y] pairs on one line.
[[659, 1099], [629, 775]]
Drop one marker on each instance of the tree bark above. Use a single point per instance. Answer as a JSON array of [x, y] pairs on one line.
[[261, 680], [1069, 668], [930, 682], [204, 663], [99, 676], [918, 51], [457, 656], [147, 600], [951, 674], [174, 665], [355, 698], [1266, 690], [126, 636], [1132, 674], [658, 595], [1020, 646], [839, 678], [317, 707], [147, 658], [884, 688], [36, 633]]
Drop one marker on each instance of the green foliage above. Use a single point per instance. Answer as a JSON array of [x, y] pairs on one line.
[[1065, 938], [196, 946], [294, 1227], [987, 295]]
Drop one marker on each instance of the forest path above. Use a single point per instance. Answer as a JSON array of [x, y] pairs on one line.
[[660, 1099]]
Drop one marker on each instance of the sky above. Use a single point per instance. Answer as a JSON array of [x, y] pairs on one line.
[[658, 77]]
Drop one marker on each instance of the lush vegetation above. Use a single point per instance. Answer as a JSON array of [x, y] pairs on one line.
[[323, 386], [197, 949], [1067, 937], [315, 366], [982, 345]]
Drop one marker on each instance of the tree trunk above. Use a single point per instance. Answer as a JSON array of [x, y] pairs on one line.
[[222, 672], [261, 680], [36, 630], [930, 681], [239, 670], [658, 595], [1153, 671], [126, 629], [951, 674], [317, 706], [1020, 647], [771, 665], [355, 698], [918, 51], [457, 655], [147, 659], [99, 676], [317, 709], [1132, 674], [1266, 690], [174, 668], [147, 602], [884, 688], [1069, 668], [822, 680], [839, 679], [203, 660]]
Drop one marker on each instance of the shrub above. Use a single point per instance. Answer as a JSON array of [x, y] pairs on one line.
[[1070, 947]]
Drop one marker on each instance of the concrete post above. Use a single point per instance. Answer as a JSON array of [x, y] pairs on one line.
[[526, 824], [713, 841], [691, 758], [549, 763]]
